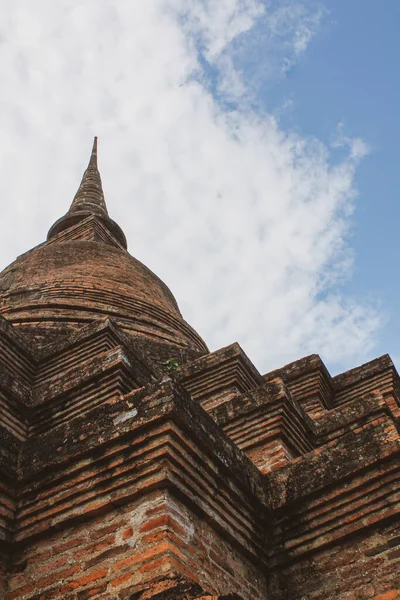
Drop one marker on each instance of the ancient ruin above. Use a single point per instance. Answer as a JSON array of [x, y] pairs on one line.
[[135, 464]]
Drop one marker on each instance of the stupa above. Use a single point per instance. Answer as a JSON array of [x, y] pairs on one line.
[[135, 464]]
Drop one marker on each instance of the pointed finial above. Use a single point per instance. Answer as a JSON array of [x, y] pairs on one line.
[[90, 196], [89, 201], [93, 156]]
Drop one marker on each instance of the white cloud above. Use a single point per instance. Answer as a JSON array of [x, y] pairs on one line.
[[291, 25], [216, 25], [245, 222], [356, 147], [265, 47]]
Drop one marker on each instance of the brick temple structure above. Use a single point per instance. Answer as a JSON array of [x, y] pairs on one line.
[[135, 464]]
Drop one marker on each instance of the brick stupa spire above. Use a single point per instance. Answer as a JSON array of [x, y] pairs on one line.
[[89, 202], [90, 195]]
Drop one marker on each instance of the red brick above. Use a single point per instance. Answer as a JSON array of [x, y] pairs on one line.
[[82, 581], [387, 595]]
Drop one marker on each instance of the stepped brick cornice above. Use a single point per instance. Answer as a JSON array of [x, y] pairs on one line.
[[93, 441]]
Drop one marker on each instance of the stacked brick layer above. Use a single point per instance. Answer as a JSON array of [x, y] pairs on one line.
[[119, 481]]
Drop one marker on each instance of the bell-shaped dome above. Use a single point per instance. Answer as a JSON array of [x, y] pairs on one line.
[[84, 272]]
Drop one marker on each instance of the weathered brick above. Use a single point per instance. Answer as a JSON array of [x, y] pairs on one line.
[[135, 463]]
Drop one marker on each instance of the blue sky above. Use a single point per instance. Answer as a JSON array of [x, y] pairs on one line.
[[350, 74], [347, 79], [232, 139]]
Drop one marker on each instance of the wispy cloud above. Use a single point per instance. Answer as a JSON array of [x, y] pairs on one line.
[[246, 222], [257, 42], [355, 146]]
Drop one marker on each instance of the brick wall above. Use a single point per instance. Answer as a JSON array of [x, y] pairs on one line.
[[119, 552], [364, 566]]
